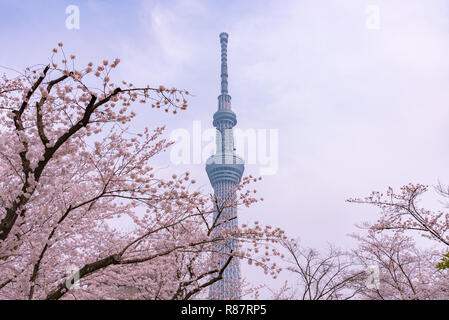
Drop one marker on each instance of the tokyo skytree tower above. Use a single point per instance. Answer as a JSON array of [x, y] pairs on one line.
[[225, 170]]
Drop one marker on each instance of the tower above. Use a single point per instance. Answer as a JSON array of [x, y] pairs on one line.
[[225, 170]]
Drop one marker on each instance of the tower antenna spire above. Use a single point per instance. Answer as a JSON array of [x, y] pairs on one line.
[[224, 99], [224, 62]]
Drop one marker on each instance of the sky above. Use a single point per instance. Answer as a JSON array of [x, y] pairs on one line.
[[358, 105]]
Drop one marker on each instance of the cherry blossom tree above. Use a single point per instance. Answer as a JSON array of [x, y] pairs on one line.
[[400, 211], [382, 267], [71, 173], [405, 272], [320, 276], [410, 273]]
